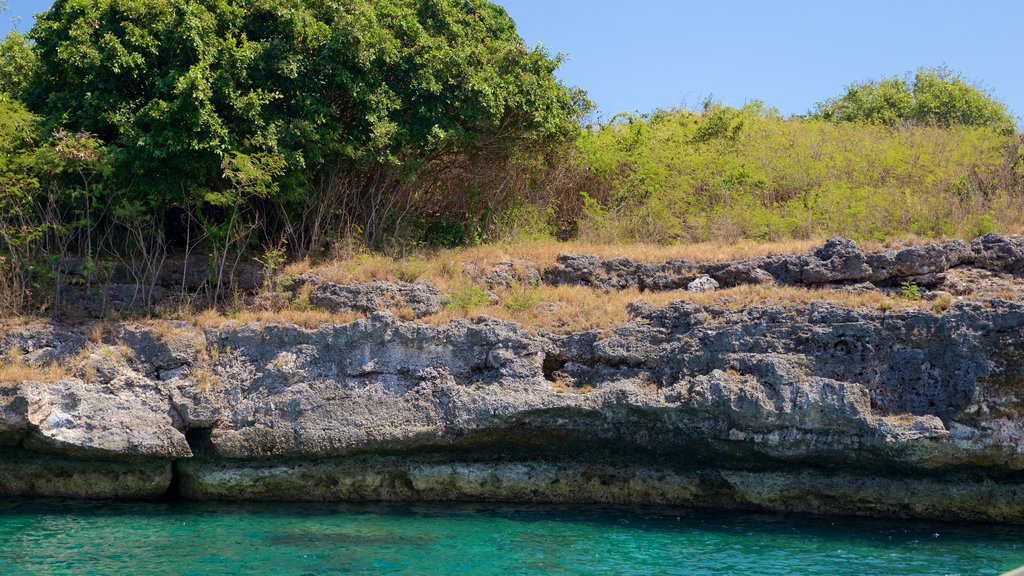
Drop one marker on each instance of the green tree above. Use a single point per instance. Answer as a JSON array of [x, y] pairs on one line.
[[932, 95], [354, 87], [17, 63]]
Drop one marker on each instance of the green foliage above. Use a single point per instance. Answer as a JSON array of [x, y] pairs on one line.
[[467, 297], [522, 298], [753, 174], [18, 180], [318, 85], [17, 64], [910, 291], [934, 95]]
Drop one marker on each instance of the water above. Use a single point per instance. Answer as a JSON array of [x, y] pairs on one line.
[[193, 539]]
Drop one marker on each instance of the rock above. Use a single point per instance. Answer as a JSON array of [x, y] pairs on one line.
[[957, 286], [122, 419], [742, 273], [513, 272], [573, 269], [34, 475], [861, 288], [703, 284], [897, 412], [422, 298], [113, 299], [839, 260], [928, 280], [999, 253], [922, 264], [620, 273], [193, 273]]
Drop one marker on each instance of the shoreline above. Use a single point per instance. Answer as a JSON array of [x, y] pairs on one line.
[[807, 407]]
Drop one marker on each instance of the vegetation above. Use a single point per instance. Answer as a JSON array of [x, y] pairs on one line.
[[137, 131], [936, 96], [728, 173], [230, 128]]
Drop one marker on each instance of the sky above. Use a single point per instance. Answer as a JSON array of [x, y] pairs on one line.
[[641, 55]]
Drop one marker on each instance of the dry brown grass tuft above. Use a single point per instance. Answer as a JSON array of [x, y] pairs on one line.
[[447, 268], [566, 309], [14, 369], [164, 330], [205, 378], [299, 317]]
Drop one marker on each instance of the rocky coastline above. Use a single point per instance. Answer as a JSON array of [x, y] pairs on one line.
[[815, 407]]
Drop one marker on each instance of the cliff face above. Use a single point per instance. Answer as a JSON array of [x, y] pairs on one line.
[[813, 408]]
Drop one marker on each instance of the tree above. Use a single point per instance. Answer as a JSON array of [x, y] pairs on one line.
[[359, 87], [933, 95], [17, 63]]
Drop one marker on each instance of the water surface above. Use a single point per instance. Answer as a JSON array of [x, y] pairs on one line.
[[193, 539]]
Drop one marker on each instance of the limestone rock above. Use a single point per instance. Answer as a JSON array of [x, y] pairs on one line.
[[839, 260], [120, 419], [422, 298], [513, 272], [681, 404], [742, 273], [999, 253], [703, 284]]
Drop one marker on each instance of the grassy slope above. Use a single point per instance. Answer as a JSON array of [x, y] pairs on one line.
[[730, 174]]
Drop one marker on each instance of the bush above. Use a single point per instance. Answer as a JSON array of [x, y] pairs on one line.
[[935, 95], [730, 173], [467, 297], [17, 64], [362, 106]]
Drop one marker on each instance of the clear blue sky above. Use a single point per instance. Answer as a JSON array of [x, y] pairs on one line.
[[646, 54]]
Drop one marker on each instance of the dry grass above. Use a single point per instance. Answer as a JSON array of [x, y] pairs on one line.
[[9, 323], [164, 330], [446, 267], [14, 369], [299, 317], [566, 309], [558, 309]]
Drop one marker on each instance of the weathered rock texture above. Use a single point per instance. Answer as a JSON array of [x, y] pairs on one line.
[[838, 262], [807, 408], [421, 298]]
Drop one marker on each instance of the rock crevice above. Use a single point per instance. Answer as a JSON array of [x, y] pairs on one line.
[[809, 407]]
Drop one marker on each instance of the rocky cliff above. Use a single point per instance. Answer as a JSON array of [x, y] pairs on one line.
[[803, 407]]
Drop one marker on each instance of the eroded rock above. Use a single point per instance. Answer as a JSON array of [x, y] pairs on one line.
[[681, 404], [422, 298]]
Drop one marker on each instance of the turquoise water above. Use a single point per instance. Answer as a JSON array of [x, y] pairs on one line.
[[58, 538]]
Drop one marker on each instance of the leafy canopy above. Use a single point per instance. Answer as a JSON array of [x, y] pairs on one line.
[[933, 95], [17, 63], [181, 86]]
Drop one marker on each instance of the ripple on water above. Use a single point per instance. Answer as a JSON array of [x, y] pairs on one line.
[[427, 540]]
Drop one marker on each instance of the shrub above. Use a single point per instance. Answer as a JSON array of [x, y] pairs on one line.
[[935, 95], [467, 297], [769, 178], [353, 112], [910, 291]]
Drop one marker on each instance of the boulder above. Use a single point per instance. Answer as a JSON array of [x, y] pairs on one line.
[[999, 253], [422, 298], [839, 260], [703, 284]]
